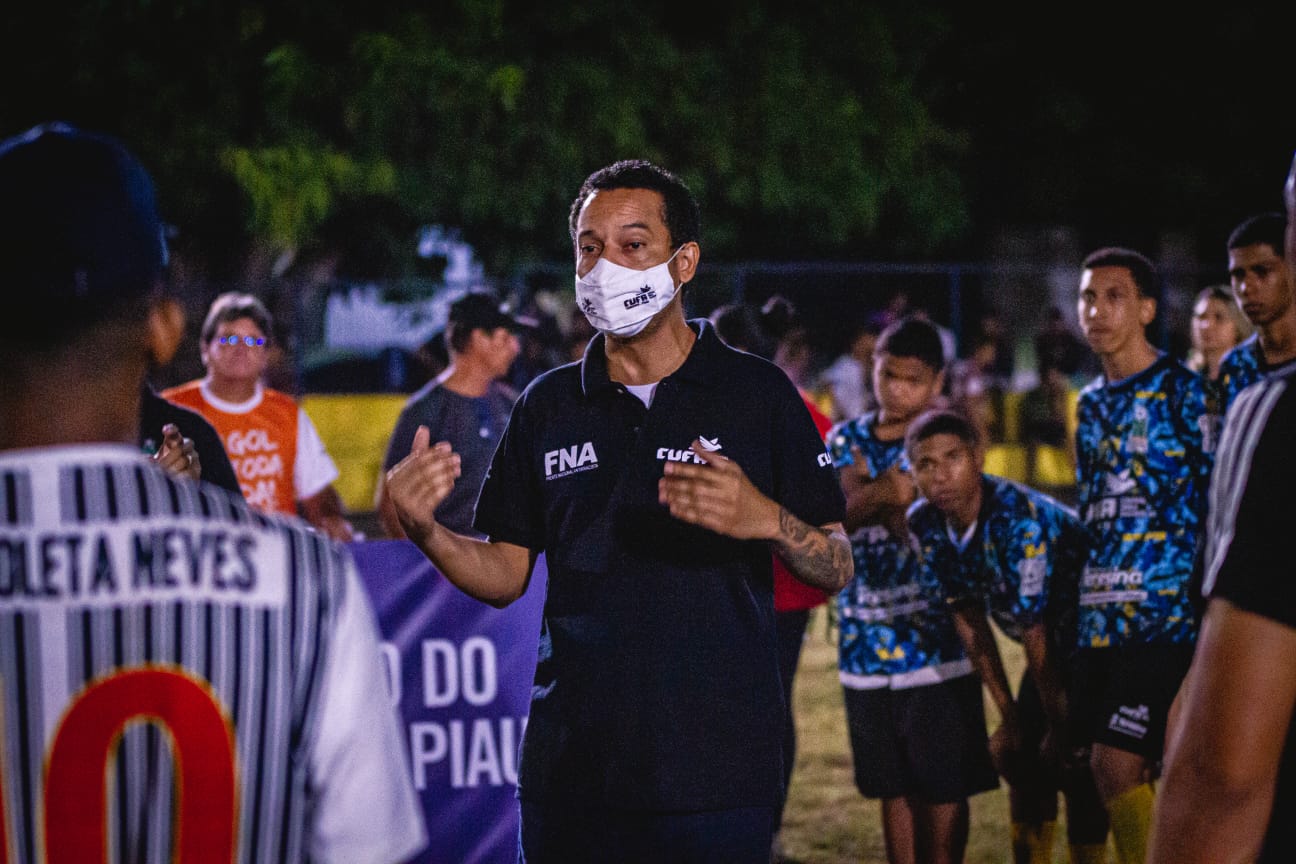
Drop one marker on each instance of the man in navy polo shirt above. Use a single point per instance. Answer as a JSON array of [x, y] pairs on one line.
[[656, 475]]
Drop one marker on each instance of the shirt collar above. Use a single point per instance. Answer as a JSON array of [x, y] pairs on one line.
[[697, 367]]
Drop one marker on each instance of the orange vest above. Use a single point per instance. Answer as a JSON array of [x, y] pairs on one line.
[[261, 444]]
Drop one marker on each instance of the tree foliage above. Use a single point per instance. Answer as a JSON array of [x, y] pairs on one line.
[[804, 131]]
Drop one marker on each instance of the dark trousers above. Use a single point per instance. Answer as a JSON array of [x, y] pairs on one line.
[[791, 627], [568, 834]]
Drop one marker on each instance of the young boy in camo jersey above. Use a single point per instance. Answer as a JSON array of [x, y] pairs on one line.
[[913, 705], [1142, 449], [1003, 551]]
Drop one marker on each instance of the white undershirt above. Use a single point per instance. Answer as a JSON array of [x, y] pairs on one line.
[[644, 392], [961, 542]]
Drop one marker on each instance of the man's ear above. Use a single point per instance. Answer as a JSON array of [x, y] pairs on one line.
[[1147, 310], [686, 261], [166, 323]]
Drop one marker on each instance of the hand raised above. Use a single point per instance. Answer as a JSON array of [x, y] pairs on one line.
[[857, 472], [717, 495], [177, 455], [421, 481]]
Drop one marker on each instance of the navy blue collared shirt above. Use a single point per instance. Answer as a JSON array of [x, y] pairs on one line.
[[657, 684]]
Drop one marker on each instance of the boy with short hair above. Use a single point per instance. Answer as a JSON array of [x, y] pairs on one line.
[[913, 706], [1142, 465], [1007, 552], [1264, 287]]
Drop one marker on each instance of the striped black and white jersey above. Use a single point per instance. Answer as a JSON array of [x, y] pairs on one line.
[[1248, 562], [1251, 501], [183, 678]]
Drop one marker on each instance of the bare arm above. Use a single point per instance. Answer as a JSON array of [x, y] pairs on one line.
[[324, 510], [387, 516], [818, 556], [875, 500], [978, 641], [1222, 762], [717, 495], [1043, 671], [493, 572]]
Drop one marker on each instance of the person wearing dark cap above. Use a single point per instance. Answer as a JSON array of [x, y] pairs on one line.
[[656, 475], [279, 457], [182, 678], [467, 406]]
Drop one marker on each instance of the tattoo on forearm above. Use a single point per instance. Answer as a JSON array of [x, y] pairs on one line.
[[793, 528], [814, 555]]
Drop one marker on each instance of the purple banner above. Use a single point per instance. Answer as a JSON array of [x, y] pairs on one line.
[[462, 671]]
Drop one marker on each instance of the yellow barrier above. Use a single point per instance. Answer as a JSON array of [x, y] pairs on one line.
[[1007, 461], [355, 428]]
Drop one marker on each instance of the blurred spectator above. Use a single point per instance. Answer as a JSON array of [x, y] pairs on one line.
[[578, 338], [280, 460], [467, 405], [1057, 347], [542, 345], [849, 378], [1217, 325], [977, 390], [775, 334], [990, 327]]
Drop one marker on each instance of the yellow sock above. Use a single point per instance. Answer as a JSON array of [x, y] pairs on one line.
[[1131, 818], [1033, 843], [1088, 853]]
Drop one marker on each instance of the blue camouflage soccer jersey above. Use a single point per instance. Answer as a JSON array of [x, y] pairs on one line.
[[1241, 367], [1143, 464], [1022, 563], [892, 614]]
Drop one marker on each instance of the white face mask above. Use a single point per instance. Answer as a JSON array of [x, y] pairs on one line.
[[621, 301]]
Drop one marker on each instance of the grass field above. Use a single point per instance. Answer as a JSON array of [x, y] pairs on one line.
[[826, 821]]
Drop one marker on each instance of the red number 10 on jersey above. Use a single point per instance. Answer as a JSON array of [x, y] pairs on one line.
[[202, 744]]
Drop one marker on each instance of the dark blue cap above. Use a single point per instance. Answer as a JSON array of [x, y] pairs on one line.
[[78, 221]]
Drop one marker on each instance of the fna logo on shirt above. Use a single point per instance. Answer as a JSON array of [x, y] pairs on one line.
[[570, 460]]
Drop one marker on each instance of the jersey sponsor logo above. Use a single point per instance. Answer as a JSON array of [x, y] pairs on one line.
[[1138, 440], [1119, 484], [709, 444], [1102, 586], [570, 460], [873, 606], [824, 460], [1124, 507], [1032, 572], [870, 535], [1131, 720]]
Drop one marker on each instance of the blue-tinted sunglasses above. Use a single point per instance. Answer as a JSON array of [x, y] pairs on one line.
[[249, 341]]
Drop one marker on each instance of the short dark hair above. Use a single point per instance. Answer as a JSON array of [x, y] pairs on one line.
[[680, 209], [232, 306], [940, 422], [913, 337], [1269, 229], [739, 326], [1139, 265]]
